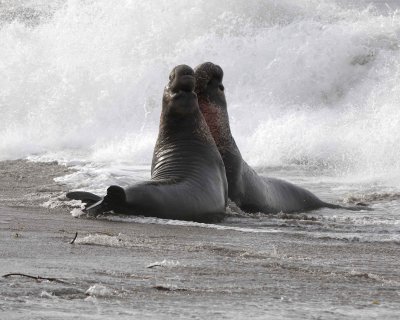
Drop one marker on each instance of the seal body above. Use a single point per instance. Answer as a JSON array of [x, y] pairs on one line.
[[251, 192], [188, 180]]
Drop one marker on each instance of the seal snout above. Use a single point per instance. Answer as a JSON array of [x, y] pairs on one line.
[[206, 72], [182, 78]]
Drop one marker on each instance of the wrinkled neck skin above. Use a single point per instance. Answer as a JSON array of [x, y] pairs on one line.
[[182, 119], [183, 137]]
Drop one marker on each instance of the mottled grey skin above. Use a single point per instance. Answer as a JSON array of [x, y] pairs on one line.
[[188, 180], [247, 189]]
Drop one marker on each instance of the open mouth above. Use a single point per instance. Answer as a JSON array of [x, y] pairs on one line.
[[185, 83], [181, 93]]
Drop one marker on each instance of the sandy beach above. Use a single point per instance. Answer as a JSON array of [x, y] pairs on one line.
[[121, 269]]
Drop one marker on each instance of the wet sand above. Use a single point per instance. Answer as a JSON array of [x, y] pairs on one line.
[[120, 270]]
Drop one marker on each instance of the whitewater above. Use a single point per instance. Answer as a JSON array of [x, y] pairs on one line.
[[308, 82], [313, 92]]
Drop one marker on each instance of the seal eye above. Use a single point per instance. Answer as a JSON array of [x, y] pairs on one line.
[[221, 87]]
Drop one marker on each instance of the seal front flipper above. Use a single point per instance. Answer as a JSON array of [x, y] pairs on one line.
[[97, 208], [112, 201], [95, 205], [86, 197]]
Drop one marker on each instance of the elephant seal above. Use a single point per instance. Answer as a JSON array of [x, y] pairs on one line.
[[188, 180], [246, 188]]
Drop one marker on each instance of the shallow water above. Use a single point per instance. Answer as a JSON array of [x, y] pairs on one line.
[[333, 264], [159, 269], [313, 96]]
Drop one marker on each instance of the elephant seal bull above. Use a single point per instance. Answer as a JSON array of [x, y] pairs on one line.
[[188, 180], [251, 192]]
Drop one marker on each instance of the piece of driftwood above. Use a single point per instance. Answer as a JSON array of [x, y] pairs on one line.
[[73, 240], [38, 278]]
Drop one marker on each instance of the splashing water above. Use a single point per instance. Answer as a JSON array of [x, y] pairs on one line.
[[314, 83]]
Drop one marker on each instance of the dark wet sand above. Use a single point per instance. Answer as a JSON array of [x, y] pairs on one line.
[[219, 274]]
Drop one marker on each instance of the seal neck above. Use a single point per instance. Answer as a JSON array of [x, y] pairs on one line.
[[218, 122]]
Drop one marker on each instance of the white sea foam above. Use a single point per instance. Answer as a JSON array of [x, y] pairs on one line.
[[105, 240], [310, 82], [99, 290], [164, 263]]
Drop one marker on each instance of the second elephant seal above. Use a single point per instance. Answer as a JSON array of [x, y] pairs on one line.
[[251, 192]]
